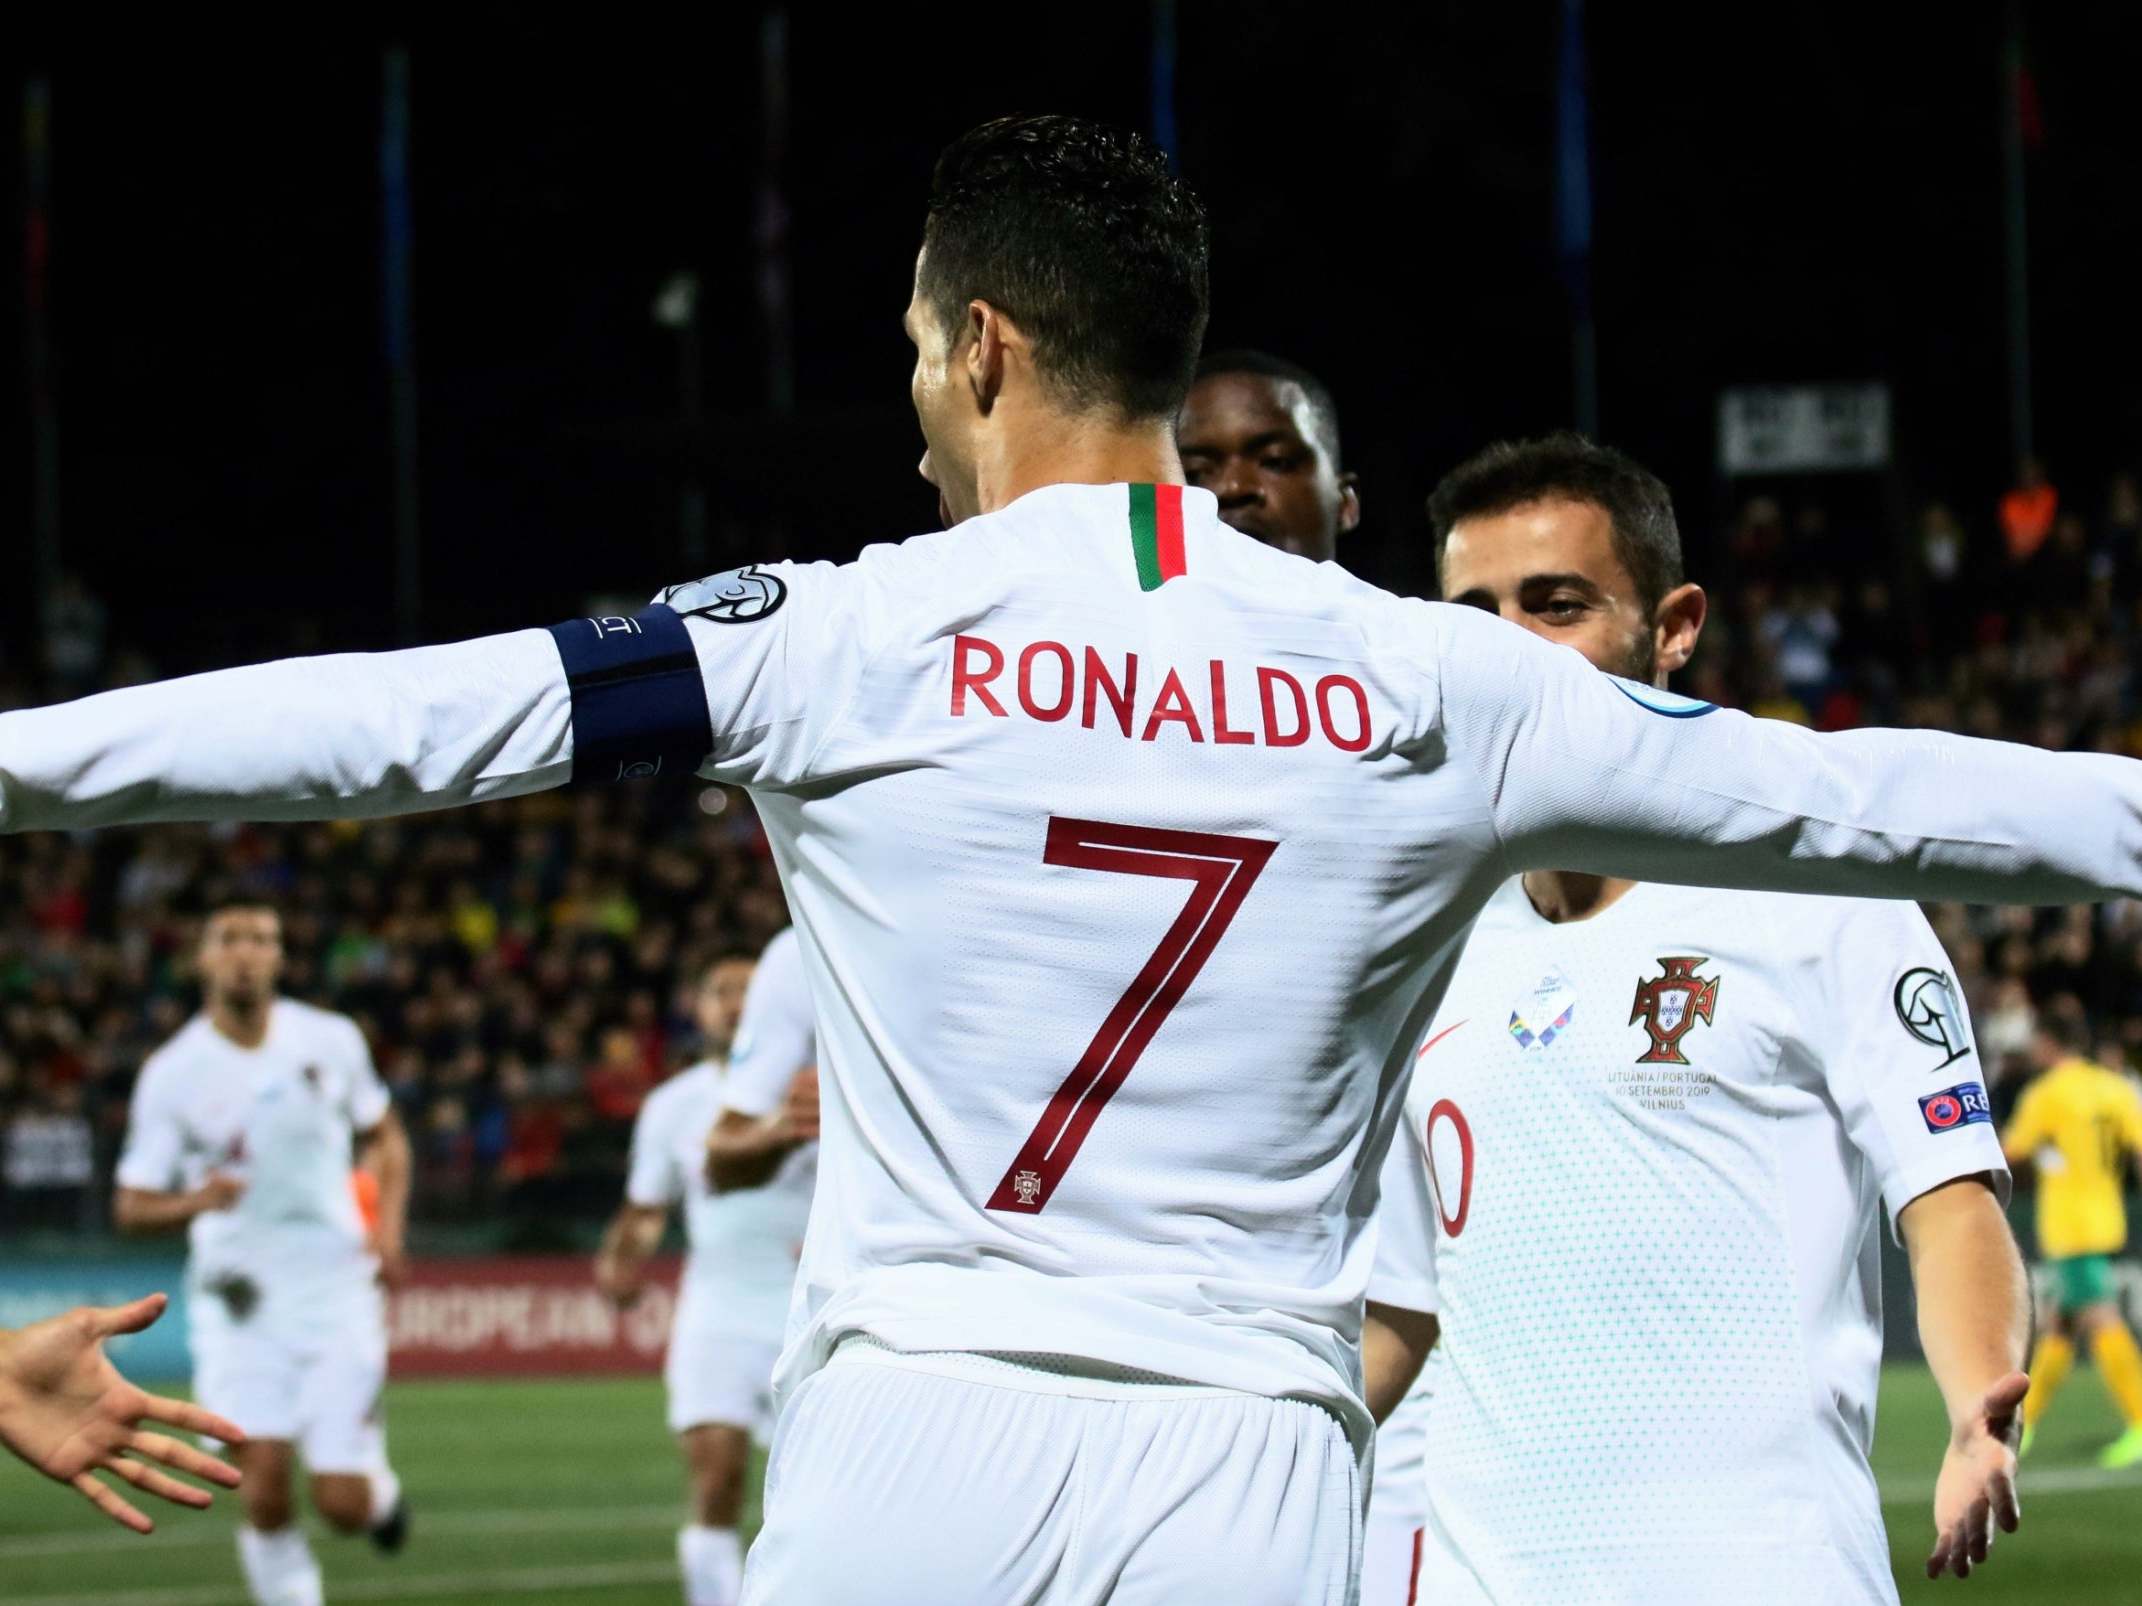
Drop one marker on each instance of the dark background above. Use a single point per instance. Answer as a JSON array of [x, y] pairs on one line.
[[1805, 192]]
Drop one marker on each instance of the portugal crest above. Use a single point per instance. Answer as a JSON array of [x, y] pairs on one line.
[[1670, 1005]]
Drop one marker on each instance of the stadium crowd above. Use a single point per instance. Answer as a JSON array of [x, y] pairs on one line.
[[520, 969]]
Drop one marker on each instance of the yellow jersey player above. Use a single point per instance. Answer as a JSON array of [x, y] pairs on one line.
[[2075, 1124]]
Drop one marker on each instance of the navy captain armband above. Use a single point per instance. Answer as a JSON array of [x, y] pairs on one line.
[[639, 704]]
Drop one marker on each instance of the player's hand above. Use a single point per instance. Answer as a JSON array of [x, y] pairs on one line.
[[619, 1286], [220, 1192], [393, 1264], [798, 1115], [1977, 1486], [67, 1411]]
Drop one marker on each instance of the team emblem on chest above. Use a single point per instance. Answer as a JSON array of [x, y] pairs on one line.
[[1542, 1013], [1669, 1007]]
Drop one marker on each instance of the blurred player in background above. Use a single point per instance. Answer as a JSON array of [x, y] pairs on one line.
[[1129, 859], [66, 1411], [1658, 1128], [732, 1300], [2076, 1126], [243, 1130], [1262, 434]]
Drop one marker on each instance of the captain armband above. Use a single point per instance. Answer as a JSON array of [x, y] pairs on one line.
[[639, 704]]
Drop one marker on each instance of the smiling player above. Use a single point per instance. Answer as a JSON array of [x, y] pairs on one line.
[[1652, 1135], [1128, 857]]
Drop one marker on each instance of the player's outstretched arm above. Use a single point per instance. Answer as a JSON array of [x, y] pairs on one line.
[[1583, 771], [1974, 1321], [66, 1410]]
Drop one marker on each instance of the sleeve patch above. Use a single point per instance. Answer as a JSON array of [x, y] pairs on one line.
[[1965, 1104], [1927, 1007], [738, 597]]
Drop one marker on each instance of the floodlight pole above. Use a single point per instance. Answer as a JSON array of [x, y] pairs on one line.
[[37, 340], [397, 327], [2017, 235]]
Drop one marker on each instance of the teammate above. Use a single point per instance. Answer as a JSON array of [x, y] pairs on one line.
[[1128, 858], [242, 1131], [734, 1298], [2076, 1125], [1262, 434], [1651, 1138], [66, 1411]]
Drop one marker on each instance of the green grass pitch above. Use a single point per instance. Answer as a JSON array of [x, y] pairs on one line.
[[568, 1493]]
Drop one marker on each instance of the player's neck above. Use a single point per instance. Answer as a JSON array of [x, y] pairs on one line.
[[1560, 896], [1054, 450], [244, 1024]]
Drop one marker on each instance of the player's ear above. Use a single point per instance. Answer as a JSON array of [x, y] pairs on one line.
[[1676, 623], [988, 336], [1349, 502]]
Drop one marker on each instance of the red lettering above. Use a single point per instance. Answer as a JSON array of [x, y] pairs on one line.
[[1324, 687], [1119, 698], [1266, 680], [963, 679], [1064, 681], [1172, 704], [1221, 734]]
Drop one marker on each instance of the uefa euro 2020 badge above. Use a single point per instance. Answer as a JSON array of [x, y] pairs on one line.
[[1670, 1005], [1542, 1013]]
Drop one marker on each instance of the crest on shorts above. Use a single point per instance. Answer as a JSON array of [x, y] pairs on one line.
[[737, 597], [1542, 1013], [1026, 1187], [1670, 1005]]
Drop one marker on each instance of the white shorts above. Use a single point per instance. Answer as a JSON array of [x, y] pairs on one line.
[[718, 1376], [321, 1390], [1390, 1559], [955, 1480]]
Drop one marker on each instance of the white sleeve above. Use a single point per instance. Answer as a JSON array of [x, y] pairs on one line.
[[652, 1179], [155, 1139], [1584, 771], [369, 1100], [1404, 1273], [1898, 1054], [781, 649], [349, 735], [777, 1035]]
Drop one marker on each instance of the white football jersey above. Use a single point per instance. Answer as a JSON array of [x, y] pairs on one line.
[[280, 1118], [1129, 858], [743, 1244], [1658, 1145], [1398, 1493]]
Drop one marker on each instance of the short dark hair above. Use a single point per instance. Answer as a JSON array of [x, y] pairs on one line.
[[1509, 474], [1080, 233], [1248, 360]]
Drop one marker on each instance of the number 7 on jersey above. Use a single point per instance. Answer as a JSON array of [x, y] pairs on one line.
[[1221, 870]]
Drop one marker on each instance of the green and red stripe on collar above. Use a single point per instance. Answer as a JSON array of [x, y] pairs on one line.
[[1156, 530]]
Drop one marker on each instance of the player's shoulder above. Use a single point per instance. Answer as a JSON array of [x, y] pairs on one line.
[[318, 1022], [692, 1084], [783, 954], [176, 1055]]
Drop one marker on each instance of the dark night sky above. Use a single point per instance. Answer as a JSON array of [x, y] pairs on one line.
[[1797, 193]]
